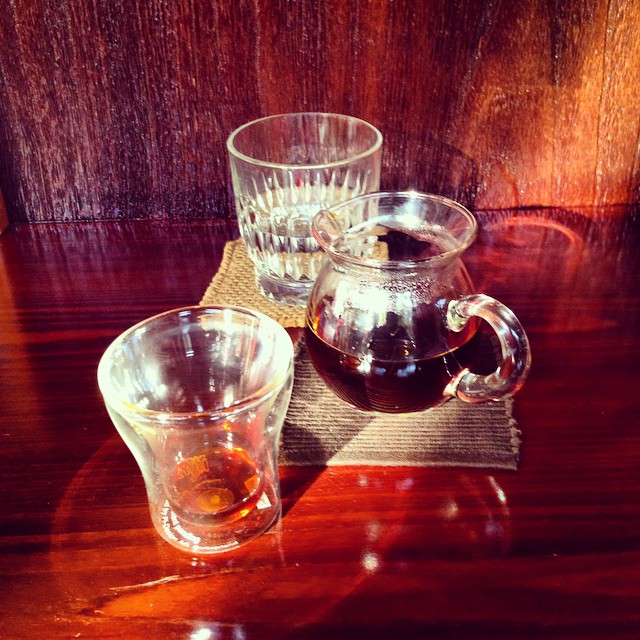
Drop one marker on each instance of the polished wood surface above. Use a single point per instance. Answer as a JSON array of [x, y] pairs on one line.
[[549, 551], [117, 109]]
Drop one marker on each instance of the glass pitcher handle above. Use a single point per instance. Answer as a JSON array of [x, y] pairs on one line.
[[516, 355]]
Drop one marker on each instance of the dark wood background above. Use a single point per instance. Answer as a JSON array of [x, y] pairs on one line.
[[119, 109]]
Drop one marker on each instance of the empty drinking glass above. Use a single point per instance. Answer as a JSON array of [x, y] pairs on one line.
[[285, 168]]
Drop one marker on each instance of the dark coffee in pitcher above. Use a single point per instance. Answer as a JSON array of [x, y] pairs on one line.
[[404, 369]]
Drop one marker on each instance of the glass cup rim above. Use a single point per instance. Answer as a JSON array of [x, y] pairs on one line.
[[160, 418], [323, 165], [445, 256]]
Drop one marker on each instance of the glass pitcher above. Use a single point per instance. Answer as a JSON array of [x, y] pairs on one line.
[[393, 321]]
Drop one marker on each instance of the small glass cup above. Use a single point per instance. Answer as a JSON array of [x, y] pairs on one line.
[[199, 396], [285, 168]]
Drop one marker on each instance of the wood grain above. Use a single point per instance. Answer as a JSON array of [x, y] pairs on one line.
[[119, 110], [4, 218], [551, 551]]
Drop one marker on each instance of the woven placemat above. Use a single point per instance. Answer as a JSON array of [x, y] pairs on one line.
[[320, 429], [235, 284]]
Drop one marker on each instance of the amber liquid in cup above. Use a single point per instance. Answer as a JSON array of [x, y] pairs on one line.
[[400, 373], [221, 482]]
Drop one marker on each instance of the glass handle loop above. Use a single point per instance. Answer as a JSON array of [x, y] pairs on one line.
[[510, 375]]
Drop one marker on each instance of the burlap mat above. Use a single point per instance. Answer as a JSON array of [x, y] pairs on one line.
[[235, 284], [320, 429]]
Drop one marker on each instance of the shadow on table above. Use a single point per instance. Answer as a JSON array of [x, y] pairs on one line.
[[398, 535]]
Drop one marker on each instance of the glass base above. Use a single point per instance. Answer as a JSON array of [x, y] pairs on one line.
[[283, 291], [218, 536]]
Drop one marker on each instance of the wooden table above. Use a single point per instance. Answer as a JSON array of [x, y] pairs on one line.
[[549, 551]]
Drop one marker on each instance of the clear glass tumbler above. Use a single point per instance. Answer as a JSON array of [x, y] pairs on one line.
[[199, 396], [285, 168]]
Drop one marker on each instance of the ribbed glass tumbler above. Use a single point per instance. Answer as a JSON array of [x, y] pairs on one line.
[[285, 168]]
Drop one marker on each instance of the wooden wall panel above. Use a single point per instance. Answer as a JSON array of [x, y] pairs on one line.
[[4, 218], [120, 108]]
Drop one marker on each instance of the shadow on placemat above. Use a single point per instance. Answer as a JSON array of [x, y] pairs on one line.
[[321, 430]]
